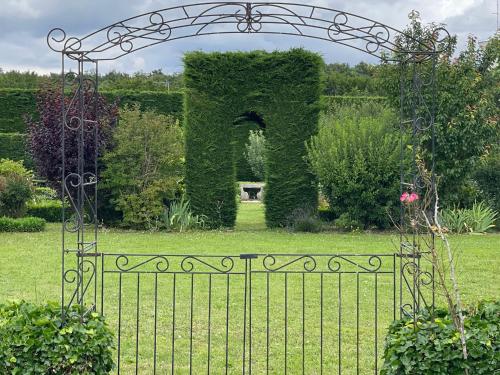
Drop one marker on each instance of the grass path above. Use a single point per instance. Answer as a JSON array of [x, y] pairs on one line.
[[30, 262]]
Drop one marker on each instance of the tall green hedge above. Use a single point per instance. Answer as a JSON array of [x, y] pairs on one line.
[[12, 146], [283, 88], [164, 103], [14, 103]]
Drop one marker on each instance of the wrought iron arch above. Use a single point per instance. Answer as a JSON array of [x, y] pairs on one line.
[[193, 20], [80, 115]]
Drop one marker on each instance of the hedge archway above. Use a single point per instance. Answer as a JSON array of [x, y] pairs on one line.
[[284, 89]]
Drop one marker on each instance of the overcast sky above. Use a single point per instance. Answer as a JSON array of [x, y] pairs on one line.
[[24, 25]]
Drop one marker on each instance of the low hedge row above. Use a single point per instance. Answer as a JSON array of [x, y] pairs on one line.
[[34, 340], [23, 224], [50, 210]]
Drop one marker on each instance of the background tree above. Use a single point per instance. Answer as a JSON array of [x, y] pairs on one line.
[[144, 171], [466, 121], [342, 79], [255, 153]]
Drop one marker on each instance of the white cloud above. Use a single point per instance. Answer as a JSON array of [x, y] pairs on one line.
[[19, 8], [24, 24]]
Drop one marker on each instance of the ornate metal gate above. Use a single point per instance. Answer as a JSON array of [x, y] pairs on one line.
[[274, 313], [103, 281]]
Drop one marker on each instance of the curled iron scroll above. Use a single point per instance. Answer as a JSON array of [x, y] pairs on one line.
[[189, 263], [161, 263], [335, 263], [307, 263]]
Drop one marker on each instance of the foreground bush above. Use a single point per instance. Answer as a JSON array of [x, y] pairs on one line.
[[432, 347], [23, 224], [34, 340], [356, 158], [16, 188]]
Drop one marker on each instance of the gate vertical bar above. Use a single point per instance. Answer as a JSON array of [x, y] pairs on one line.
[[63, 185]]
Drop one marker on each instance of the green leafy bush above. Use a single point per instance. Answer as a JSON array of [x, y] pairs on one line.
[[432, 346], [178, 217], [144, 170], [50, 210], [34, 340], [256, 153], [356, 158], [326, 214], [23, 224], [466, 121], [16, 188], [477, 219], [44, 193]]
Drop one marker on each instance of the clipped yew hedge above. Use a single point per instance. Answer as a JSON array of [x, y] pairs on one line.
[[13, 146], [283, 89], [161, 102], [14, 104]]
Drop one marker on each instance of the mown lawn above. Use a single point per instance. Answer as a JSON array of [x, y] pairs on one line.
[[30, 269]]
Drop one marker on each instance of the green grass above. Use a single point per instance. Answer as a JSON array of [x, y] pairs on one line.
[[30, 269]]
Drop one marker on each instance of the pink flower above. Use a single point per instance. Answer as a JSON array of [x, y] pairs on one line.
[[404, 197], [413, 197]]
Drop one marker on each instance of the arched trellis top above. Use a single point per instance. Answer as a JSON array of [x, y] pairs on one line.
[[185, 21]]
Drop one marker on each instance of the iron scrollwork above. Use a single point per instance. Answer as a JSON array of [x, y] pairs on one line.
[[188, 264], [202, 19], [306, 263], [338, 263], [180, 22]]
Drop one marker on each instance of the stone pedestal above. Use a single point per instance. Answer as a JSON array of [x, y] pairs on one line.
[[252, 192]]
